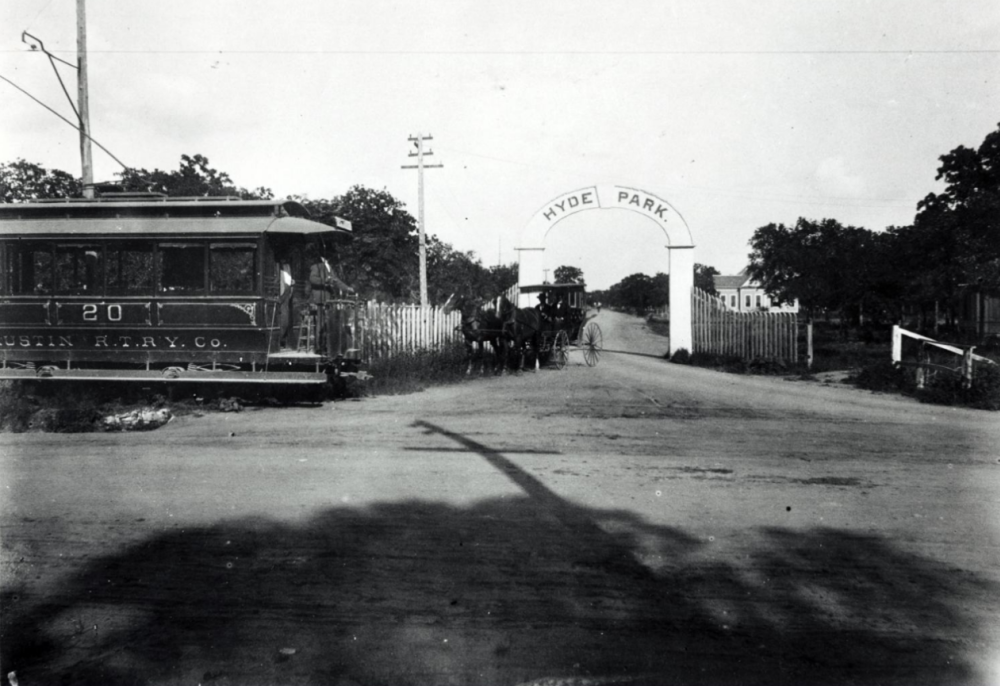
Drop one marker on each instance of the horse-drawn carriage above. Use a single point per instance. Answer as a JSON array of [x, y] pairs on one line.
[[560, 324], [549, 331]]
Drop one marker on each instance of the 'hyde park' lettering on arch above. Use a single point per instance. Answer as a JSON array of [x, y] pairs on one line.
[[631, 199], [606, 197], [570, 203]]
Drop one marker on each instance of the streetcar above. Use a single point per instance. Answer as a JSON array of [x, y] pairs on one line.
[[140, 287]]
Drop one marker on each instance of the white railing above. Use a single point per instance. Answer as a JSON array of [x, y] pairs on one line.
[[923, 362]]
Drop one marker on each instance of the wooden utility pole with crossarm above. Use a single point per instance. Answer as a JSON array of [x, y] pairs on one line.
[[420, 153]]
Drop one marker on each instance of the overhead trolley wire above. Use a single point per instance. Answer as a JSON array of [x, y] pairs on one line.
[[75, 126], [618, 53]]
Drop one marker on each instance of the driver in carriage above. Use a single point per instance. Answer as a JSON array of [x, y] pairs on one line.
[[560, 309], [543, 308]]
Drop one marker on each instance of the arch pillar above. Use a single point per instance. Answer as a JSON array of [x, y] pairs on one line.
[[681, 285], [680, 246]]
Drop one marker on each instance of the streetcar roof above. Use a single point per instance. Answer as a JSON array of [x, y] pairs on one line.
[[189, 217], [554, 287]]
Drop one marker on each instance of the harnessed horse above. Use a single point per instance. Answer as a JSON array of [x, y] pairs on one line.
[[479, 327], [521, 327]]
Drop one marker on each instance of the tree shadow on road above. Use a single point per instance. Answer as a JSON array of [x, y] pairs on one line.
[[500, 592]]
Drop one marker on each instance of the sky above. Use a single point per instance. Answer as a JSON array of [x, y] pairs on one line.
[[739, 114]]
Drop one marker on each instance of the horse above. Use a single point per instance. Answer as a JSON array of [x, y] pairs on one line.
[[521, 327], [479, 327]]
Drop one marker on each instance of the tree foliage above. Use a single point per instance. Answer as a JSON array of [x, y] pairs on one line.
[[194, 178], [639, 293], [825, 265], [382, 262], [704, 278], [952, 247], [22, 181], [960, 227], [568, 274]]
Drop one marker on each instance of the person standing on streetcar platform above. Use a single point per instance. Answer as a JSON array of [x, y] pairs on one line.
[[322, 287]]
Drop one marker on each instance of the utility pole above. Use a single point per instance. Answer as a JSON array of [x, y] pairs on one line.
[[83, 100], [418, 140]]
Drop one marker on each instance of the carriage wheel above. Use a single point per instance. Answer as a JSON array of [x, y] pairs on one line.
[[592, 343], [560, 352]]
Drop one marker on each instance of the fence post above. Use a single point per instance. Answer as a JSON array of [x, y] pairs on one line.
[[897, 344], [967, 368], [925, 358], [809, 344]]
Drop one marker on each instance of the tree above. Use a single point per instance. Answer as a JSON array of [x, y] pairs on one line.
[[659, 291], [502, 277], [381, 261], [194, 178], [639, 292], [567, 274], [22, 181], [960, 227], [704, 278], [450, 271], [825, 265]]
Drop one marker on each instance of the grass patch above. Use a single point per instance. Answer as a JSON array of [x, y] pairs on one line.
[[78, 407], [661, 327], [66, 408], [410, 373], [733, 364], [81, 408]]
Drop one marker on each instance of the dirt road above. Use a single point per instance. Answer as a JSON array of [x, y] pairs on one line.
[[636, 522]]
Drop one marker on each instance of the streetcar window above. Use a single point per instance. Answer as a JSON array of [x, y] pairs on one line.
[[182, 268], [31, 269], [232, 268], [79, 269], [4, 270], [130, 268]]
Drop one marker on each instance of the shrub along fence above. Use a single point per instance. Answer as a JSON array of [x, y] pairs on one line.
[[749, 335], [386, 331]]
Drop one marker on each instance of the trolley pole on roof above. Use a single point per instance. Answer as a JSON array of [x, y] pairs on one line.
[[418, 141], [83, 100]]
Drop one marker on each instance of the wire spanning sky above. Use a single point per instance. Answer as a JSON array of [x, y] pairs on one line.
[[738, 113]]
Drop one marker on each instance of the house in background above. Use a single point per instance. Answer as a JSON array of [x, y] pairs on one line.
[[742, 294]]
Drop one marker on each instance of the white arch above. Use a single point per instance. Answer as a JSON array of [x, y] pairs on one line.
[[645, 203], [680, 244]]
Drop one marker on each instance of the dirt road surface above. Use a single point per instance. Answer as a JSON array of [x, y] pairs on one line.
[[637, 522]]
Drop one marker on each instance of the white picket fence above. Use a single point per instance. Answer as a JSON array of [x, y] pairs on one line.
[[385, 331], [511, 294], [717, 329]]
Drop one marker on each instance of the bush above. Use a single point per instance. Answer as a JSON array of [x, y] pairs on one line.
[[884, 376], [983, 395], [681, 356], [68, 411], [942, 389], [16, 409], [733, 364]]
